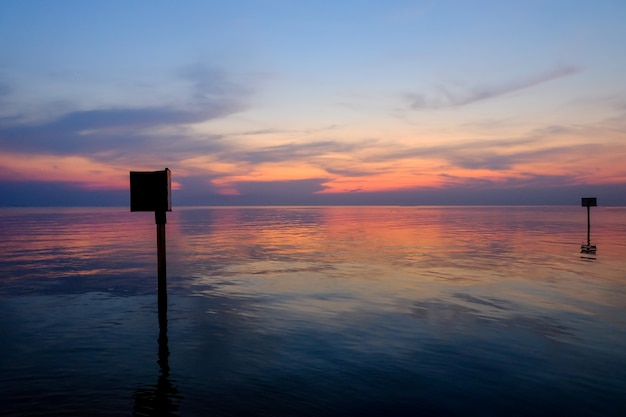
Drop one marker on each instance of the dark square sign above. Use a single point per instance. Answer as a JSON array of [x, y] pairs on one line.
[[151, 190], [589, 202]]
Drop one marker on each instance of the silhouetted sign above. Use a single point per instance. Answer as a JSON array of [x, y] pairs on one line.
[[151, 191], [589, 202]]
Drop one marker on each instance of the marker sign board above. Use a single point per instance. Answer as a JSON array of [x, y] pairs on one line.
[[589, 202], [151, 191]]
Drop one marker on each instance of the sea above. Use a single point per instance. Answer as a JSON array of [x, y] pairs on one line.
[[314, 311]]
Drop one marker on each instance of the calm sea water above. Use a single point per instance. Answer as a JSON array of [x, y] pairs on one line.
[[325, 311]]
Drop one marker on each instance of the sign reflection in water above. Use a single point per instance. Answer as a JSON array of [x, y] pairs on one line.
[[315, 311]]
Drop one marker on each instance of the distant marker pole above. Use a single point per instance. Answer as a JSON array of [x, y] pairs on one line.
[[588, 225], [152, 191], [588, 202]]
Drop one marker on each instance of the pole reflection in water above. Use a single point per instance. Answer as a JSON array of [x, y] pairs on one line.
[[162, 399]]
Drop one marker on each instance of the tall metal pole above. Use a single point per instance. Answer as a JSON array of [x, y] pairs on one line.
[[160, 220], [164, 398], [588, 226]]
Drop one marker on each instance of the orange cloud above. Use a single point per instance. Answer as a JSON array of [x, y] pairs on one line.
[[55, 168]]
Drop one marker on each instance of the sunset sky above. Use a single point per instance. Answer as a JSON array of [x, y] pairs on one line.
[[314, 102]]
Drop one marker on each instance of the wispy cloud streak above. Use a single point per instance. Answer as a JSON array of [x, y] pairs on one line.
[[452, 96], [298, 151]]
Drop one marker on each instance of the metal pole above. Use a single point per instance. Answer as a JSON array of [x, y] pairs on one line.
[[162, 280], [588, 226]]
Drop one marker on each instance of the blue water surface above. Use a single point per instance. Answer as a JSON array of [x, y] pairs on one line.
[[314, 311]]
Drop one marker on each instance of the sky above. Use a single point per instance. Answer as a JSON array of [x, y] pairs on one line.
[[314, 102]]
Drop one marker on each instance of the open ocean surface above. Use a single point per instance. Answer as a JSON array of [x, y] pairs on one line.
[[314, 311]]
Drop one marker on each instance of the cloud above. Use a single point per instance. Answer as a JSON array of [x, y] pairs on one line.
[[261, 132], [466, 153], [212, 84], [198, 183], [351, 172], [505, 161], [298, 151], [129, 118], [529, 189], [288, 188], [540, 145], [449, 96], [107, 136], [196, 189], [45, 193], [123, 133], [525, 180]]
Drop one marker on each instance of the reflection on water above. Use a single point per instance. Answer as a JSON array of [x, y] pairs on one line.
[[314, 311], [161, 399]]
